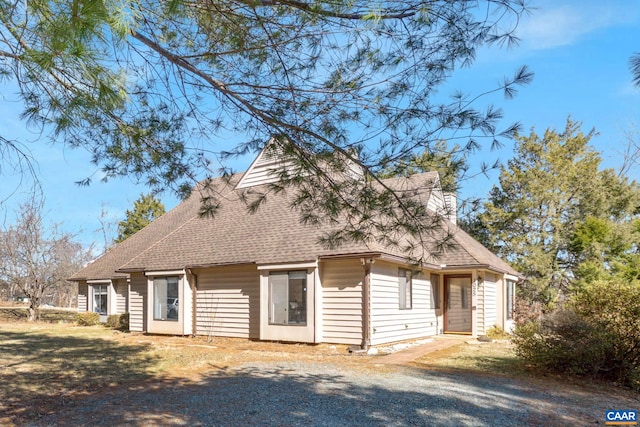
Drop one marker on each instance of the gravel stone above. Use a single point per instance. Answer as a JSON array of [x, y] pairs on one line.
[[301, 393]]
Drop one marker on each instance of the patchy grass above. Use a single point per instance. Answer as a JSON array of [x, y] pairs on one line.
[[496, 357], [497, 333], [44, 365], [48, 366]]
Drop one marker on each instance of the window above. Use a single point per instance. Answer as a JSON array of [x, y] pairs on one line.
[[100, 298], [464, 294], [511, 292], [288, 298], [435, 291], [404, 281], [165, 299]]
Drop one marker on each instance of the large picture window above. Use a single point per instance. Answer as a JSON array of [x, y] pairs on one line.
[[100, 298], [165, 299], [288, 298], [405, 285]]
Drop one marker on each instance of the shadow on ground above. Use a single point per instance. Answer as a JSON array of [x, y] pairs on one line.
[[42, 372], [294, 393]]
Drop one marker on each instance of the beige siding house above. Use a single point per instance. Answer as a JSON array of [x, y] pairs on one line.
[[265, 275]]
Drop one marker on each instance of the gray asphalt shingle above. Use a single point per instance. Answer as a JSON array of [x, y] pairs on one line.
[[273, 234]]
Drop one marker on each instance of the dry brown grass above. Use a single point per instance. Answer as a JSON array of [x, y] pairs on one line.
[[17, 313], [45, 366], [496, 357]]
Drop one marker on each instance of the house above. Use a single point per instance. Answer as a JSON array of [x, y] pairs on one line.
[[264, 275]]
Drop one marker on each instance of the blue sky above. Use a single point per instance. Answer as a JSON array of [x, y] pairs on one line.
[[578, 50]]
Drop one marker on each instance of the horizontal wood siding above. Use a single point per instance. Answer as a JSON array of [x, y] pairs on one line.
[[228, 302], [187, 307], [266, 169], [490, 300], [481, 326], [83, 296], [122, 293], [137, 298], [342, 301], [436, 200], [388, 322]]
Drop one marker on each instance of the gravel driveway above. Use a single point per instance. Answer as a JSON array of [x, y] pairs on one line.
[[319, 394]]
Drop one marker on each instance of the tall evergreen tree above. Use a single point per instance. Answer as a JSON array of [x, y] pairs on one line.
[[160, 90], [145, 209], [450, 163], [549, 191]]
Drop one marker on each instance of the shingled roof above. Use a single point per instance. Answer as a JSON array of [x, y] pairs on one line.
[[106, 266], [273, 234]]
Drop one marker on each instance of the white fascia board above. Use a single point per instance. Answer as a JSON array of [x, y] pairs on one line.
[[293, 266], [165, 273]]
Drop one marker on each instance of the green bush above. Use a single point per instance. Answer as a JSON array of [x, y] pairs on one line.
[[88, 318], [597, 333], [118, 321]]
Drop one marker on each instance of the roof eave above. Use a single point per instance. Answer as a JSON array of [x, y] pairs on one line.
[[85, 278], [378, 255], [217, 264], [350, 256], [131, 270], [480, 266]]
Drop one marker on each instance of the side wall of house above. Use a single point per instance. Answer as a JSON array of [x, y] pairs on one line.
[[83, 296], [490, 301], [228, 302], [137, 312], [122, 294], [481, 304], [436, 200], [390, 323], [187, 306], [342, 301]]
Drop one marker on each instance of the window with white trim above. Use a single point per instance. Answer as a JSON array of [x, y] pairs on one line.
[[288, 298], [100, 293], [405, 288], [165, 299]]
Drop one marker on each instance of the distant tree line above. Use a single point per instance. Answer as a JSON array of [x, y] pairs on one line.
[[36, 260]]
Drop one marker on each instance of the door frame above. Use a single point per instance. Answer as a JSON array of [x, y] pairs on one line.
[[445, 293]]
